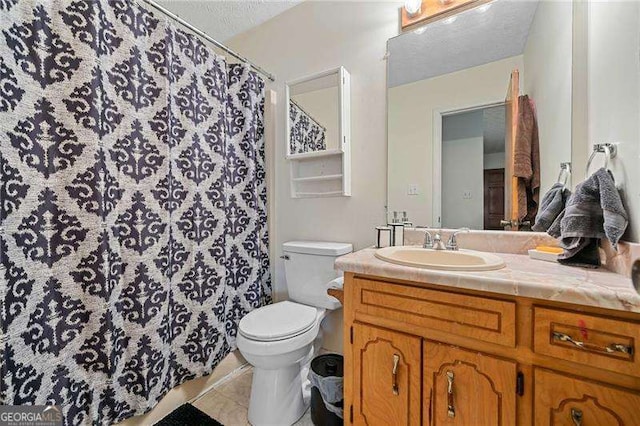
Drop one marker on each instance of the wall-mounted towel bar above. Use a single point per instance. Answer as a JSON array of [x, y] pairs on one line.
[[610, 151]]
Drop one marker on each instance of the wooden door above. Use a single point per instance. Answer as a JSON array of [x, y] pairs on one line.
[[382, 397], [468, 388], [493, 198], [511, 127], [568, 401]]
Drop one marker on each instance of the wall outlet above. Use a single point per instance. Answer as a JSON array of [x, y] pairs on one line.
[[412, 189], [466, 195]]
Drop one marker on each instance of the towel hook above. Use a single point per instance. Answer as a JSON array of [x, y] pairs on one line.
[[609, 150]]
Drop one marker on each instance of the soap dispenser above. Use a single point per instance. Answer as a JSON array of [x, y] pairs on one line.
[[397, 230], [405, 220]]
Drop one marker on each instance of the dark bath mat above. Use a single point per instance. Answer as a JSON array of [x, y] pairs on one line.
[[187, 415]]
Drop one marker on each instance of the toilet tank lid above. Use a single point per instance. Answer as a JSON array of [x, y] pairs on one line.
[[321, 248]]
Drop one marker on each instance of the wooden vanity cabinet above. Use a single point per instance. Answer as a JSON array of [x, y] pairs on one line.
[[419, 354], [569, 401], [467, 388], [388, 379]]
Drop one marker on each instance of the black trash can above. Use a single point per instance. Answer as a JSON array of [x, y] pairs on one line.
[[326, 373]]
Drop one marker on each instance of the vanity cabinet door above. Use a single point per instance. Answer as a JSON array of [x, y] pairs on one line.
[[568, 401], [387, 377], [463, 387]]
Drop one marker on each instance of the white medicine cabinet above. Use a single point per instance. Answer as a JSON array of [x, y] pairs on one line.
[[318, 134]]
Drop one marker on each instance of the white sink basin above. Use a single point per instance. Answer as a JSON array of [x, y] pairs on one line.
[[460, 260]]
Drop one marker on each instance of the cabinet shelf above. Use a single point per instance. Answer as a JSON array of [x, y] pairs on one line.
[[320, 175], [318, 194], [318, 178], [315, 154]]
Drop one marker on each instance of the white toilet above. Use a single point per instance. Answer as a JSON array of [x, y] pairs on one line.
[[276, 339]]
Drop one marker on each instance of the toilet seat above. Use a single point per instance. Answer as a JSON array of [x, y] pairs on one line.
[[279, 321]]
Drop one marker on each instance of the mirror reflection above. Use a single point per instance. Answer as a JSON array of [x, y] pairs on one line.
[[473, 162], [479, 115], [313, 114]]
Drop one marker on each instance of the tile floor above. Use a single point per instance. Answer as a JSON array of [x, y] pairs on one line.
[[228, 402]]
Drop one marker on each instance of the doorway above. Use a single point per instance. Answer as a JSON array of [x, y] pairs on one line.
[[472, 167], [493, 199]]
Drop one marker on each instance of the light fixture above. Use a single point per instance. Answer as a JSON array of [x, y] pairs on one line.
[[412, 6]]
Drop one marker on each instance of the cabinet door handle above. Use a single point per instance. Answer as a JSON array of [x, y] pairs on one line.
[[611, 348], [394, 386], [451, 410], [576, 416]]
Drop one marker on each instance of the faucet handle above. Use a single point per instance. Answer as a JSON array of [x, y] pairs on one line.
[[428, 240], [452, 244]]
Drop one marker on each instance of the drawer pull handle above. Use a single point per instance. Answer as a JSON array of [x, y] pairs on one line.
[[576, 416], [394, 386], [451, 410], [611, 348]]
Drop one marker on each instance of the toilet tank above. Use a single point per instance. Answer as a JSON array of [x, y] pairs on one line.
[[309, 270]]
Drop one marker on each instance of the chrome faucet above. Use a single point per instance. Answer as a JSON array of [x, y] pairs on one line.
[[437, 242], [452, 244], [428, 240], [432, 242]]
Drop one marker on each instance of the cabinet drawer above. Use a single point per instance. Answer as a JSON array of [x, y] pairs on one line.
[[586, 339], [568, 401], [479, 318]]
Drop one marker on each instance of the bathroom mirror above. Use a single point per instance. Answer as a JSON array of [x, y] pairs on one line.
[[455, 94], [317, 114]]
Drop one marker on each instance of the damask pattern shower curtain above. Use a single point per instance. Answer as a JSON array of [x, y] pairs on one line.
[[132, 206], [306, 134]]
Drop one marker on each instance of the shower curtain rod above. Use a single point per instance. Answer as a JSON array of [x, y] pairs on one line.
[[207, 37]]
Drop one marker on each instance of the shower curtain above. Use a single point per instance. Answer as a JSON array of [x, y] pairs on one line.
[[133, 231], [306, 134]]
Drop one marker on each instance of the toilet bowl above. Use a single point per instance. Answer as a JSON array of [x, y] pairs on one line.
[[276, 390], [278, 339]]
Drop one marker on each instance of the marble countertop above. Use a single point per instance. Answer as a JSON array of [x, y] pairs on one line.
[[522, 276]]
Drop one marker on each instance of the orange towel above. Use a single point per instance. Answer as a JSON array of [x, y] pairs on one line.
[[527, 160]]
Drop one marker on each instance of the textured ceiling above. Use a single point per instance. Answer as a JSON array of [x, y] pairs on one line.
[[477, 36], [224, 19]]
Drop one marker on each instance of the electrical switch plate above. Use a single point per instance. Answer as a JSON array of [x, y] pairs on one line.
[[466, 195], [412, 189]]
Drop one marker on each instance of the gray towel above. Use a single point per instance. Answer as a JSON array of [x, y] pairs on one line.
[[593, 212], [551, 207], [555, 230]]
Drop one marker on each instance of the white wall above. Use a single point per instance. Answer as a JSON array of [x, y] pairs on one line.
[[411, 108], [306, 39], [462, 171], [614, 94], [548, 62]]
